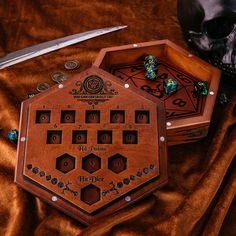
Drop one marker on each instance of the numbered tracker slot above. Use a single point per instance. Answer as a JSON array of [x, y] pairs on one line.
[[117, 116], [142, 117], [104, 137], [43, 117], [93, 117], [54, 137], [183, 103], [130, 137], [67, 116], [65, 163], [79, 136]]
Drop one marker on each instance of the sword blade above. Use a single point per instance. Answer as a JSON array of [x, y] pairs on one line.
[[43, 48]]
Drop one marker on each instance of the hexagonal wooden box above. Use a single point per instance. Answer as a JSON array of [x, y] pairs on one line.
[[85, 145], [188, 115]]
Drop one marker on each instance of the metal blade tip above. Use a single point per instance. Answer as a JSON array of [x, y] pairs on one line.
[[114, 28], [122, 26]]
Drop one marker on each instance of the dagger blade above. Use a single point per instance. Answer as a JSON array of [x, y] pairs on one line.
[[46, 47]]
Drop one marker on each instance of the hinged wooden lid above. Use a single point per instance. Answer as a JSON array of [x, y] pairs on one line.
[[92, 145]]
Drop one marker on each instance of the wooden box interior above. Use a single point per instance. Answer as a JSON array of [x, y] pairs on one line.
[[185, 111]]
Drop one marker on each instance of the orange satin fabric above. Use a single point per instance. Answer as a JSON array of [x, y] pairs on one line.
[[199, 198]]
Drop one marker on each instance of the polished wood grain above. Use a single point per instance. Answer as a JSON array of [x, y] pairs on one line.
[[85, 145]]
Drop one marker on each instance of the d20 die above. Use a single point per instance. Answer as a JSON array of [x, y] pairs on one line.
[[93, 155], [188, 114]]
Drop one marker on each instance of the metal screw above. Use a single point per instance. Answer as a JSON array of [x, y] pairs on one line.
[[22, 139], [60, 86], [135, 45], [127, 198], [162, 138], [211, 93], [168, 124], [126, 85], [54, 198], [190, 55]]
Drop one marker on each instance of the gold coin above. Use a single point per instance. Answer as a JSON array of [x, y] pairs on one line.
[[71, 65], [42, 87], [59, 77]]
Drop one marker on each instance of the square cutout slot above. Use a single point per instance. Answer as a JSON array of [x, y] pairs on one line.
[[142, 117], [92, 116], [130, 137], [79, 136], [104, 137], [67, 116], [43, 117], [54, 137], [117, 116]]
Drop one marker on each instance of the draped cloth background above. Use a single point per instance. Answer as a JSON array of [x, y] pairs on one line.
[[199, 198]]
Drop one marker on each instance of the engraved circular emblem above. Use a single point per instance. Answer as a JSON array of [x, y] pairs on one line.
[[71, 65], [93, 84]]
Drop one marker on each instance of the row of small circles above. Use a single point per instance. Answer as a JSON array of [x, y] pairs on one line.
[[139, 173], [119, 185], [126, 181], [92, 116], [42, 174], [103, 137], [60, 184]]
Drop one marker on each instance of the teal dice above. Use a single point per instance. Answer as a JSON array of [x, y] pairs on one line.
[[150, 64], [170, 86], [201, 88], [223, 99], [13, 135]]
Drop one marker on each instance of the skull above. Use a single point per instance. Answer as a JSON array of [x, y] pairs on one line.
[[210, 25]]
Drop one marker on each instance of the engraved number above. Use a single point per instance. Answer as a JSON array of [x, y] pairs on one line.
[[170, 114], [154, 92], [117, 163], [179, 102], [105, 137], [136, 68], [184, 78], [162, 76], [194, 95], [140, 116], [68, 117], [92, 163]]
